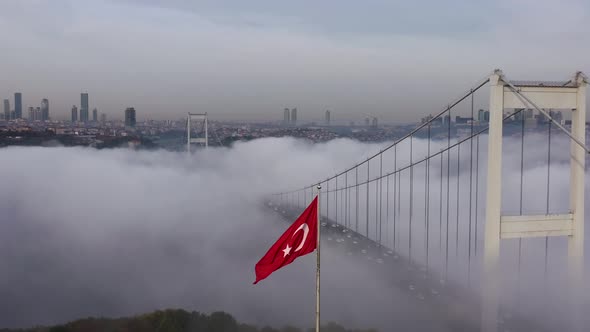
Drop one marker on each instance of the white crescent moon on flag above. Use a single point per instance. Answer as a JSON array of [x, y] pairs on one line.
[[305, 229]]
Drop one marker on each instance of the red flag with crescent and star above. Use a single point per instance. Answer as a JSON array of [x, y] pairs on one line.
[[298, 240]]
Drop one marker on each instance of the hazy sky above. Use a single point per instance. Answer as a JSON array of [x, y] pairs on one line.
[[250, 59]]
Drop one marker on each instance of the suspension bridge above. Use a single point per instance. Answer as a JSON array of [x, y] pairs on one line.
[[480, 218]]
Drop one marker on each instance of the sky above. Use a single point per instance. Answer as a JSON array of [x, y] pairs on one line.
[[238, 60]]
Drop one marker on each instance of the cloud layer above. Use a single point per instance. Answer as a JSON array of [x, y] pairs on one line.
[[115, 232]]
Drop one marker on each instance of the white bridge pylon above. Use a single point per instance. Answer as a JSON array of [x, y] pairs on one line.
[[541, 96], [200, 118]]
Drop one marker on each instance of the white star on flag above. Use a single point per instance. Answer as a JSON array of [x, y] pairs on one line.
[[286, 251]]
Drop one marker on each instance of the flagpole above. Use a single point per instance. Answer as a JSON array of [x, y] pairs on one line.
[[317, 273]]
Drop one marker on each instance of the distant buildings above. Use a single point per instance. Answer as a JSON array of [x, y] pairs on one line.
[[375, 123], [294, 116], [290, 117], [447, 120], [83, 115], [286, 116], [483, 116], [103, 118], [44, 110], [84, 108], [462, 120], [367, 122], [35, 114], [95, 115], [6, 109], [74, 114], [327, 117], [18, 105], [130, 119]]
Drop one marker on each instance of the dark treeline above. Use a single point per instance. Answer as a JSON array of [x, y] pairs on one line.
[[172, 320]]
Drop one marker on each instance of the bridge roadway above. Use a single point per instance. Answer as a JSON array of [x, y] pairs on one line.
[[445, 306]]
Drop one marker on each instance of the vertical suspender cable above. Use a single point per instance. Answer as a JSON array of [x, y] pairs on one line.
[[336, 201], [380, 195], [395, 193], [427, 201], [346, 205], [457, 222], [367, 205], [448, 192], [470, 194], [522, 115], [548, 195], [356, 210], [387, 211], [411, 200], [476, 193]]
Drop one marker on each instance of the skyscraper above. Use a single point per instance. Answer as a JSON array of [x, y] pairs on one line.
[[74, 114], [286, 117], [83, 115], [95, 115], [130, 117], [18, 105], [103, 118], [38, 115], [327, 117], [84, 108], [6, 109], [480, 115], [294, 116], [44, 110], [31, 114]]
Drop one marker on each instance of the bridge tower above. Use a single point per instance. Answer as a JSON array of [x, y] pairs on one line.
[[199, 118], [539, 96]]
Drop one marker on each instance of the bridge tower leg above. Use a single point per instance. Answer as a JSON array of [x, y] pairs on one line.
[[577, 183], [491, 296]]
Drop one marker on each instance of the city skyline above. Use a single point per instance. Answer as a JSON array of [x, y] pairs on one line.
[[374, 57]]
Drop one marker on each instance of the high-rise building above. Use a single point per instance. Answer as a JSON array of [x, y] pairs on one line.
[[74, 114], [367, 122], [294, 116], [95, 115], [83, 115], [327, 117], [103, 118], [31, 114], [286, 116], [130, 119], [6, 109], [18, 105], [480, 115], [84, 108], [38, 115], [375, 123], [44, 110], [447, 120]]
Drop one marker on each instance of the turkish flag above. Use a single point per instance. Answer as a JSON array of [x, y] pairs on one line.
[[298, 240]]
